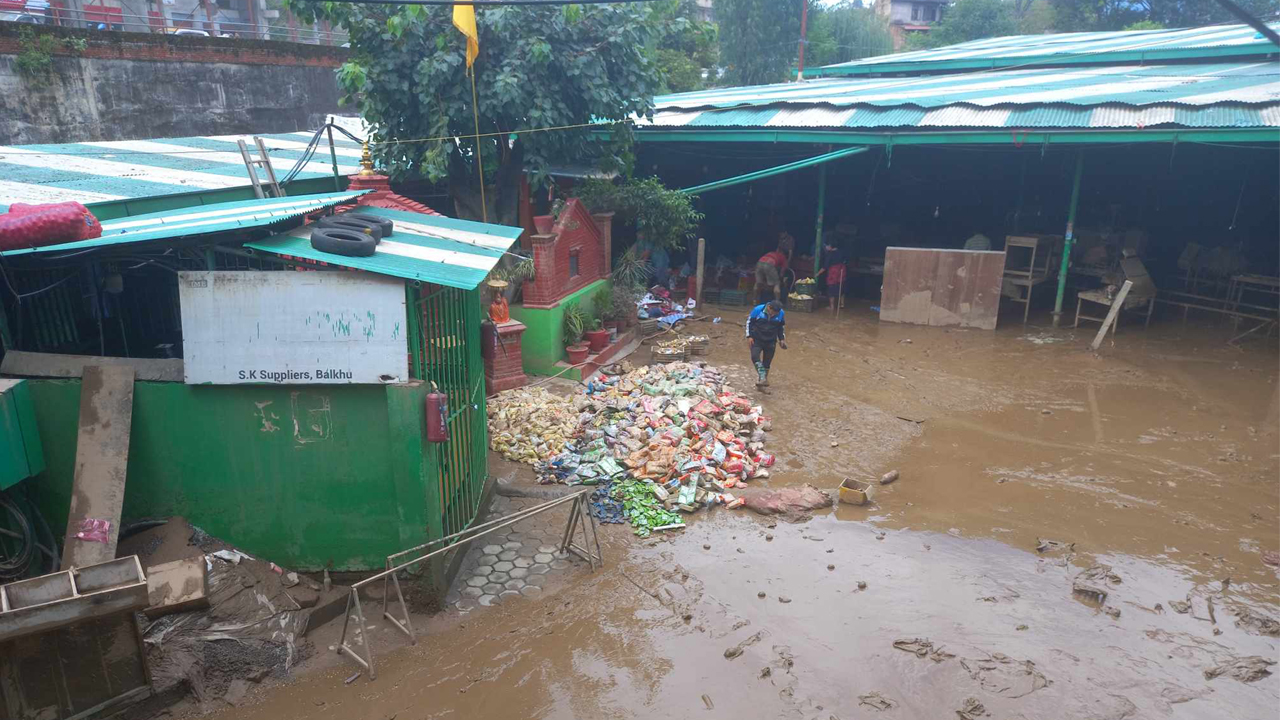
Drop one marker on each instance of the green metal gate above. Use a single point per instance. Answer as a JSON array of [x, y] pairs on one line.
[[444, 341]]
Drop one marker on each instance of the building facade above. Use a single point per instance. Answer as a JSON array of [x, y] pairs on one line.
[[907, 17]]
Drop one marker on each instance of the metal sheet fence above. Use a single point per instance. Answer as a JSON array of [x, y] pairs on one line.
[[444, 342]]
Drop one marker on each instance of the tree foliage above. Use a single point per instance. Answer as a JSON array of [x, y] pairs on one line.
[[664, 216], [967, 20], [539, 68], [1078, 15], [843, 32], [687, 48], [759, 39]]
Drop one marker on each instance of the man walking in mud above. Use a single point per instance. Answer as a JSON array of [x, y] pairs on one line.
[[766, 330]]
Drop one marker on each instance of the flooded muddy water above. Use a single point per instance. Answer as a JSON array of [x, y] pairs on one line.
[[1153, 467]]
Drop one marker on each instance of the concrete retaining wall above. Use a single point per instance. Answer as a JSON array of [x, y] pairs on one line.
[[130, 86]]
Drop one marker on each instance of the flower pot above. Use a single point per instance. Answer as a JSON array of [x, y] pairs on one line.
[[577, 353], [597, 339], [612, 324]]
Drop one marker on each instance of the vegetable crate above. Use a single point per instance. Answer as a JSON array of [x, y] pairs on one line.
[[795, 305]]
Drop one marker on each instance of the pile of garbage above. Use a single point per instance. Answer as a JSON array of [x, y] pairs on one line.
[[530, 424], [664, 439]]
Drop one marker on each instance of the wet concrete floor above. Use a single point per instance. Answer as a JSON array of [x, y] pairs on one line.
[[1158, 460]]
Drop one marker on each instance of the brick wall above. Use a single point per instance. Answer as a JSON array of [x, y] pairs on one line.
[[575, 232], [503, 359]]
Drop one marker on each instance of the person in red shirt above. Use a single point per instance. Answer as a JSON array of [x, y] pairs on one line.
[[769, 273]]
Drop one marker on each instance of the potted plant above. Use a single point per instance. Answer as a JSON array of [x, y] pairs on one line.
[[597, 337], [575, 321], [622, 304], [608, 318]]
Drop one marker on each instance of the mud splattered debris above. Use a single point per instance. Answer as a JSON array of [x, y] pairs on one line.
[[792, 503], [876, 701], [737, 650], [923, 648], [1047, 546], [1002, 675], [971, 709], [1245, 669], [1251, 621], [1091, 583]]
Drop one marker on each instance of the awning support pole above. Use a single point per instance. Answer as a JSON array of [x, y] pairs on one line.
[[1068, 240], [822, 206], [770, 172]]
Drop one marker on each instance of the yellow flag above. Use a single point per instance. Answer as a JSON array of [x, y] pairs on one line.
[[464, 18]]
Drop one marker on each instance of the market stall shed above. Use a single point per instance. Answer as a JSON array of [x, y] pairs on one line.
[[1083, 136], [287, 409]]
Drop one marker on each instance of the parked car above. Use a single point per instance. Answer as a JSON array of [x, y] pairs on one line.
[[21, 17], [191, 31]]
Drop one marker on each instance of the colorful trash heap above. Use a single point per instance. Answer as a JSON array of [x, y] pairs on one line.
[[661, 439]]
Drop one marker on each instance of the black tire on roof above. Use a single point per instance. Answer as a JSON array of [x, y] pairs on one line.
[[385, 224], [343, 241], [355, 224]]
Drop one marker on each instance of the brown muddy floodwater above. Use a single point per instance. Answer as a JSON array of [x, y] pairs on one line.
[[1156, 466]]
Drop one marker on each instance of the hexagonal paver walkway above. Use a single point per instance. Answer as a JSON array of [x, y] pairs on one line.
[[514, 561]]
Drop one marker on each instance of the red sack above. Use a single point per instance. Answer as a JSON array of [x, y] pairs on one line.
[[49, 226], [90, 229]]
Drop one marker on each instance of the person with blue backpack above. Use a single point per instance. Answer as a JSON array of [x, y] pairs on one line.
[[766, 331]]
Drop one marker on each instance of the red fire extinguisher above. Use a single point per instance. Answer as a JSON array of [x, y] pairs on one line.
[[437, 415]]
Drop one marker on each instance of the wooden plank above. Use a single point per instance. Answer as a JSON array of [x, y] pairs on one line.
[[949, 282], [33, 364], [43, 618], [942, 287], [102, 455], [980, 302], [906, 294], [74, 672], [1116, 304]]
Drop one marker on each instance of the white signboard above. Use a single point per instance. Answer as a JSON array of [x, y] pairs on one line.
[[294, 328]]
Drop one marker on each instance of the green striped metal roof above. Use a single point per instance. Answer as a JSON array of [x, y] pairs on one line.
[[198, 220], [1213, 43], [427, 248], [1203, 96], [117, 170]]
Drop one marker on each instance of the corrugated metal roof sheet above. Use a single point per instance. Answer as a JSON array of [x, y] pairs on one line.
[[1218, 42], [126, 169], [1212, 95], [198, 220], [428, 248], [1199, 84]]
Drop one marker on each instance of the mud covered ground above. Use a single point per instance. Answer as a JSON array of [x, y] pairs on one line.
[[1153, 467]]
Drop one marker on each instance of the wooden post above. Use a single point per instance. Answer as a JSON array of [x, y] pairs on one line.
[[1067, 241], [702, 254], [1112, 313]]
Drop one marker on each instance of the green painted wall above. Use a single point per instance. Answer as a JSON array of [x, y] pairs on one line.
[[543, 343], [305, 476]]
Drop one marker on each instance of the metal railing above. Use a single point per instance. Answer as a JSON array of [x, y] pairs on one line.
[[195, 23], [580, 524]]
